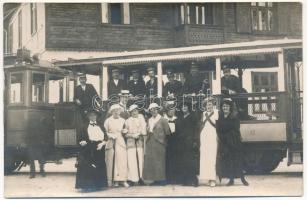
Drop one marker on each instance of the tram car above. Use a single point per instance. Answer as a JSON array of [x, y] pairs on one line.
[[271, 129]]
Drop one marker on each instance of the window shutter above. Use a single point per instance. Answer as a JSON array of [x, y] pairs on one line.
[[283, 17], [126, 10], [104, 13], [243, 18]]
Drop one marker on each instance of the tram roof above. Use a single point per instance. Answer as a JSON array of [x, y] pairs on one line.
[[187, 53]]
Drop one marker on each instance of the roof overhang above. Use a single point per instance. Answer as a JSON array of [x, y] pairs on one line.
[[188, 53]]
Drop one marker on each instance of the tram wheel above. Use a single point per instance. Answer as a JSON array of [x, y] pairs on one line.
[[262, 162]]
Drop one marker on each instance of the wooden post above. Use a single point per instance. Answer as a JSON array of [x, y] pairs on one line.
[[218, 76], [67, 87], [281, 72], [159, 74], [104, 76]]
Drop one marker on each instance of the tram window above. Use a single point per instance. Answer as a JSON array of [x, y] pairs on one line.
[[16, 88], [56, 89], [38, 87]]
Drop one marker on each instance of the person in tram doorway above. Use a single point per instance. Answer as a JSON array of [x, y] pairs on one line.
[[230, 154], [84, 96], [37, 145], [116, 152], [136, 86], [155, 153], [172, 146], [91, 168], [229, 82], [152, 83], [172, 88], [136, 132], [193, 83], [115, 85], [187, 134], [208, 143]]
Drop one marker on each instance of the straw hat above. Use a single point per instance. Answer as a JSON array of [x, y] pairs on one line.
[[114, 107], [133, 107], [153, 105]]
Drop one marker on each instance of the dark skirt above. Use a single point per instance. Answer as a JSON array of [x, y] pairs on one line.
[[91, 168], [229, 162], [171, 159]]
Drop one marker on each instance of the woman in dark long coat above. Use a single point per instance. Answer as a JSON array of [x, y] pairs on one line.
[[91, 166], [230, 156], [187, 151]]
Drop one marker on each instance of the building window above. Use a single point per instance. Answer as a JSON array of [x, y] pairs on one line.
[[33, 17], [16, 87], [115, 13], [38, 87], [20, 29], [264, 81], [262, 16], [196, 14]]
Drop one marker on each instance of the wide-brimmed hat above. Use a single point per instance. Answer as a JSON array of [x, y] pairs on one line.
[[114, 107], [82, 75], [115, 70], [149, 69], [91, 111], [153, 105], [133, 107]]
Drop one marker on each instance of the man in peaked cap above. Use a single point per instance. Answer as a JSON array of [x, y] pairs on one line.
[[115, 85], [137, 86], [173, 87], [84, 95]]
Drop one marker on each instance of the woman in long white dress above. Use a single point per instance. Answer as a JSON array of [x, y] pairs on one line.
[[136, 130], [117, 165], [208, 145]]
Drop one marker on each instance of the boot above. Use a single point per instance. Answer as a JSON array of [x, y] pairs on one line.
[[32, 175], [231, 182], [244, 181]]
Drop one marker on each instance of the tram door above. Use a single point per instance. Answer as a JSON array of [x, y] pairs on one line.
[[295, 86]]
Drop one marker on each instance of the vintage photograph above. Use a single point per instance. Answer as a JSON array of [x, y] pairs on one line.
[[144, 99]]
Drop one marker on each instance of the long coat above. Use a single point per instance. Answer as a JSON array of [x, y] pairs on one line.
[[230, 153], [91, 166], [155, 152], [137, 87], [187, 140], [85, 96]]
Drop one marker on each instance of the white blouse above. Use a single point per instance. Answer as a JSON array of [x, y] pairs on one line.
[[94, 132]]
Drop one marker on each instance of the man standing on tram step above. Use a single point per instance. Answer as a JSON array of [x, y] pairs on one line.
[[84, 95], [152, 84], [137, 86], [115, 85], [194, 82], [173, 88]]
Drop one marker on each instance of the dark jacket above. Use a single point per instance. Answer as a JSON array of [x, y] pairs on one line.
[[152, 89], [137, 87], [114, 90], [193, 84], [174, 87], [86, 96]]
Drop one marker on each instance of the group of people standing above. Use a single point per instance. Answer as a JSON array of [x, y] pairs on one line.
[[170, 147]]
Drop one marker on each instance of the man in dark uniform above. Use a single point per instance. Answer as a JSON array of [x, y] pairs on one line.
[[115, 85], [173, 88], [137, 86], [85, 95], [230, 83], [152, 84], [194, 82], [37, 144]]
